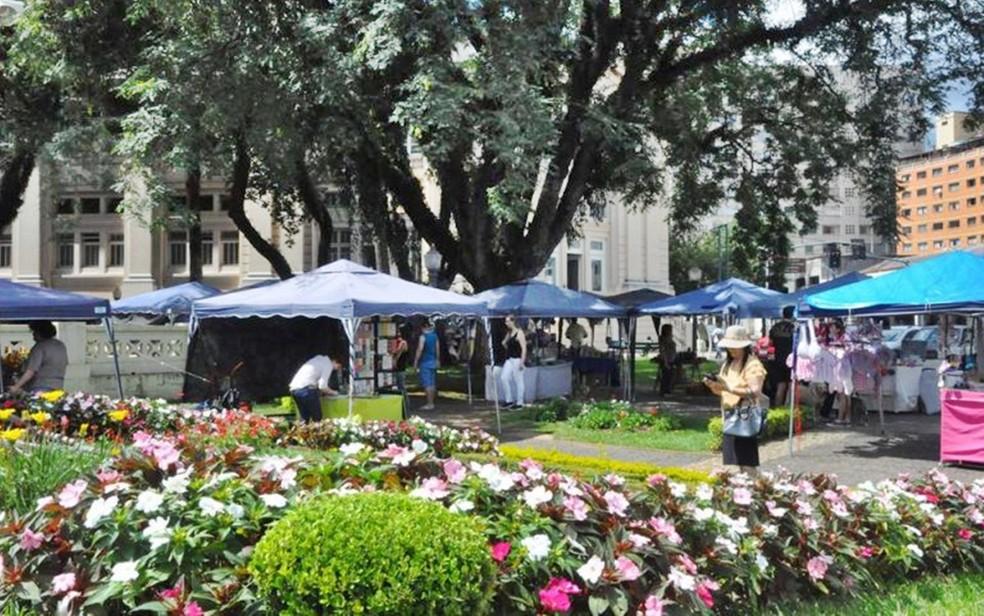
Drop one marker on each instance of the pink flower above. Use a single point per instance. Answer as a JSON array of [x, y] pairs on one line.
[[653, 606], [742, 496], [614, 480], [666, 529], [555, 596], [817, 566], [500, 550], [576, 507], [965, 534], [401, 456], [656, 480], [174, 594], [71, 494], [31, 540], [688, 565], [432, 488], [627, 570], [454, 470], [109, 476], [533, 470], [62, 583], [617, 503], [193, 609], [865, 552], [704, 590]]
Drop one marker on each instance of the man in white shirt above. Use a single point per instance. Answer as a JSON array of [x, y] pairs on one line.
[[311, 381]]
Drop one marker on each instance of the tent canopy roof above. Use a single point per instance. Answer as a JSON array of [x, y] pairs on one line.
[[731, 296], [173, 302], [538, 299], [342, 290], [21, 302], [773, 306], [951, 282], [631, 300]]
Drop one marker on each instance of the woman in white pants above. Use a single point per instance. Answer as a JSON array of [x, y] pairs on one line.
[[512, 371]]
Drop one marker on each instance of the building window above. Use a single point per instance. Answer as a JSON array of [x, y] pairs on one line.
[[904, 178], [230, 247], [89, 205], [849, 229], [938, 208], [972, 221], [971, 183], [921, 192], [208, 247], [922, 228], [808, 249], [597, 265], [113, 205], [972, 201], [970, 164], [116, 250], [906, 247], [953, 186], [906, 213], [66, 250], [921, 210], [177, 248], [66, 207], [205, 203], [937, 226], [863, 229], [6, 250], [550, 270], [952, 169], [923, 246], [953, 224], [954, 243], [830, 229], [938, 244], [906, 194], [90, 250], [954, 206], [906, 230], [225, 201], [972, 240], [920, 175], [849, 192], [937, 171], [341, 244]]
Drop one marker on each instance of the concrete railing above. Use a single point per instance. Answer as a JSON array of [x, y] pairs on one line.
[[151, 357]]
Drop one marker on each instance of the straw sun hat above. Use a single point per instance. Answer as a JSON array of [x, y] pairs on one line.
[[735, 337]]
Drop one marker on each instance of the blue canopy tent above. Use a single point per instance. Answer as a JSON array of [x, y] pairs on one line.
[[773, 306], [341, 290], [537, 299], [24, 303], [732, 297], [170, 303], [951, 282]]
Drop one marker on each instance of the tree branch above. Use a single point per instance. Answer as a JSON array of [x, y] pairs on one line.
[[13, 183]]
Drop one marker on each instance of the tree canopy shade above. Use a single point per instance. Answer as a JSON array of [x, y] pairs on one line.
[[530, 115]]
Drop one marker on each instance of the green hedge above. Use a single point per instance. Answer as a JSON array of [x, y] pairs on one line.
[[776, 425], [374, 553]]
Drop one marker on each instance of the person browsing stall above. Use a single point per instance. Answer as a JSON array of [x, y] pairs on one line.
[[427, 361], [310, 382], [739, 383], [46, 365], [513, 384]]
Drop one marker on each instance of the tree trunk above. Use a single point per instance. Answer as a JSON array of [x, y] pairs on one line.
[[237, 198], [316, 209], [399, 246], [13, 183], [193, 190]]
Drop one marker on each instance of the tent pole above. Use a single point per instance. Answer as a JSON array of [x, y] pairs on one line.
[[632, 358], [881, 406], [469, 337], [350, 326], [495, 381], [116, 358]]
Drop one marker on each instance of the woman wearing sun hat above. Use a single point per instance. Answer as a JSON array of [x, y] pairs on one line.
[[740, 380]]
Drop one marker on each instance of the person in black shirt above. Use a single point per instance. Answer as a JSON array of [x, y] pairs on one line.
[[781, 336]]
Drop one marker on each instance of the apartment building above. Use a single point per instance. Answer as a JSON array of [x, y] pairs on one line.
[[941, 192]]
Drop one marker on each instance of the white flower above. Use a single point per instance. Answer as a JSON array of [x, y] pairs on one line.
[[461, 506], [498, 480], [913, 530], [216, 480], [65, 605], [678, 490], [157, 532], [44, 502], [351, 449], [178, 484], [570, 488], [803, 507], [119, 486], [149, 501], [125, 572], [761, 562], [100, 508], [591, 571], [728, 545], [273, 501], [681, 580], [704, 493], [288, 478], [537, 547], [703, 514], [210, 507], [770, 530], [537, 496], [235, 510], [418, 446], [915, 549], [639, 540]]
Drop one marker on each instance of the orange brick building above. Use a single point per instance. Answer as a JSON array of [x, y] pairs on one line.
[[941, 199]]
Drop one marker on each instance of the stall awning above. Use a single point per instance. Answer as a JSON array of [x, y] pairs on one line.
[[772, 306], [173, 303], [21, 302], [732, 296], [536, 299], [342, 290], [951, 282]]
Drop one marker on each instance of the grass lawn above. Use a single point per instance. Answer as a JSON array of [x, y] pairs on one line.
[[933, 596]]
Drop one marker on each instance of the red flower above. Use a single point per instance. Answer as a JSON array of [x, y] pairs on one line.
[[965, 534], [704, 592], [555, 596], [500, 550]]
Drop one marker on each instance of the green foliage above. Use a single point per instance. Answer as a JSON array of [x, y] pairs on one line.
[[616, 415], [30, 470], [555, 409], [776, 425], [375, 553], [588, 466]]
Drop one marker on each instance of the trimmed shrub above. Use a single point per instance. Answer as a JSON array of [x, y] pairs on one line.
[[618, 415], [555, 409], [637, 471], [374, 553]]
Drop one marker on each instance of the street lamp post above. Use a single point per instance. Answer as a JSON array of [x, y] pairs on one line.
[[432, 261]]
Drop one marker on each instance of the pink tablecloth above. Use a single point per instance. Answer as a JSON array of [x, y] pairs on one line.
[[962, 426]]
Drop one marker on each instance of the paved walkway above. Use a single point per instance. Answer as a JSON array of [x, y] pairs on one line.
[[910, 445]]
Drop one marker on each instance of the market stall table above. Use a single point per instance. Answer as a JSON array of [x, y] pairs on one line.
[[900, 390], [540, 382], [385, 407]]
